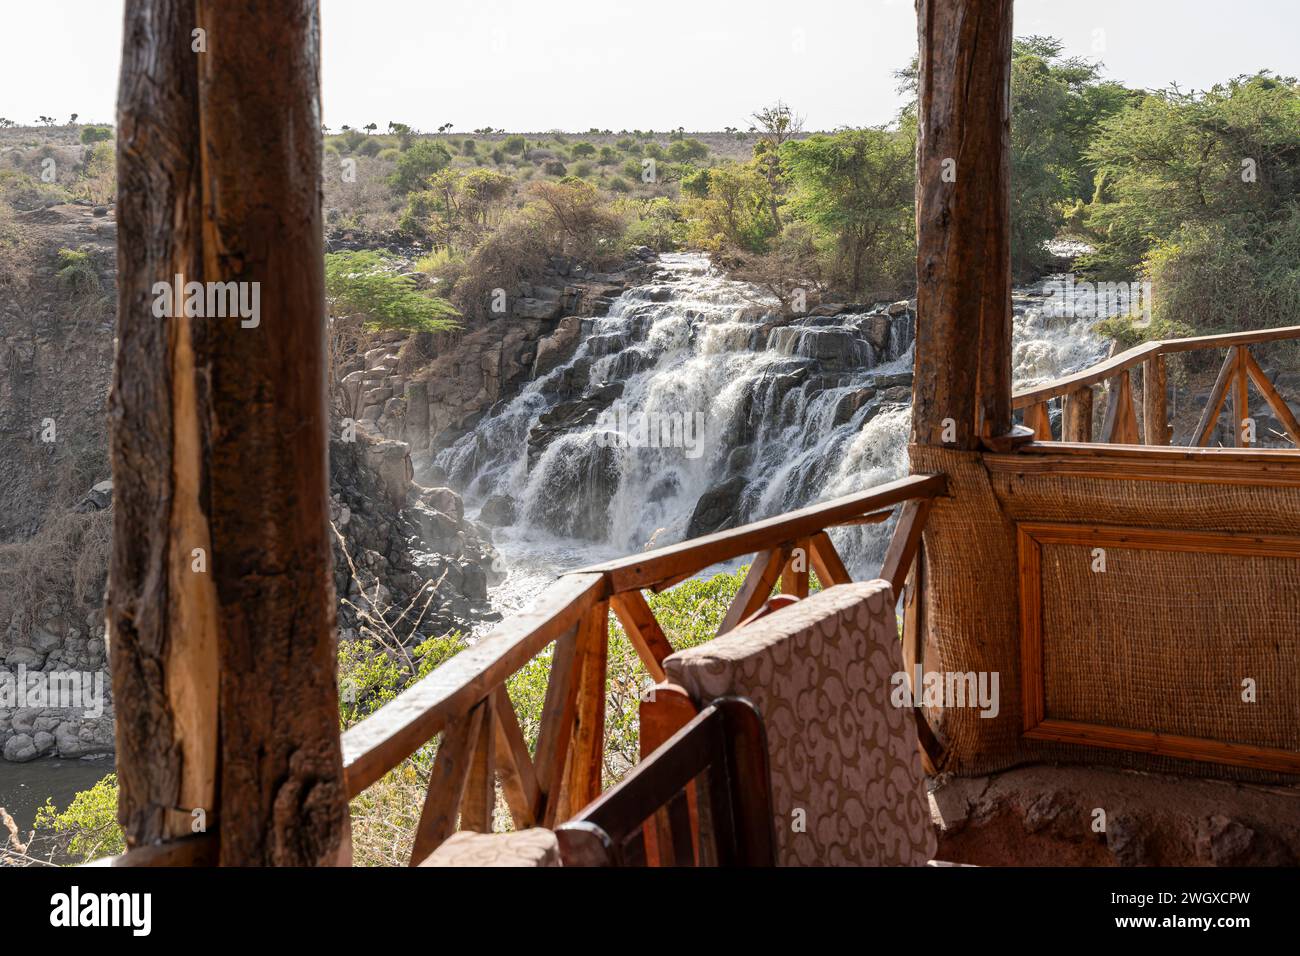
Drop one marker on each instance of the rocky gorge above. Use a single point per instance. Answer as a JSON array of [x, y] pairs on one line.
[[605, 412]]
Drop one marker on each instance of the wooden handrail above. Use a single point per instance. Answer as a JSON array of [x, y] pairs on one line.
[[377, 744], [1139, 353], [465, 698], [1239, 371], [694, 555]]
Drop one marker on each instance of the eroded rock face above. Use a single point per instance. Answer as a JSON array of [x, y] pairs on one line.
[[558, 347], [399, 539], [443, 400]]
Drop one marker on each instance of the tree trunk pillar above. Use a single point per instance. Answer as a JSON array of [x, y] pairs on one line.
[[221, 605], [962, 390]]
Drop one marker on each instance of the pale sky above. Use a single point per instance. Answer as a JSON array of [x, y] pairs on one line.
[[532, 65]]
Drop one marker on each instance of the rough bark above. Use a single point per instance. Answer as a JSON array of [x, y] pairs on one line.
[[219, 438], [963, 335], [158, 216]]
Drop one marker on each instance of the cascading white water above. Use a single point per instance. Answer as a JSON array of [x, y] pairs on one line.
[[787, 414]]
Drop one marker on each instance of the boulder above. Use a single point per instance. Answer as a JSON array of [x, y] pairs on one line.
[[24, 656], [498, 511], [851, 402], [444, 500], [718, 508], [416, 432], [739, 460], [20, 748], [536, 309], [47, 636], [98, 498]]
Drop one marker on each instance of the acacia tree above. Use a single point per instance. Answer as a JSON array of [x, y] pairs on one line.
[[365, 294], [775, 125], [417, 165]]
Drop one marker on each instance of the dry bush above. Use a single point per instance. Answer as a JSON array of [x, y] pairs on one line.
[[66, 559], [368, 203], [63, 554], [17, 251], [97, 179], [515, 253]]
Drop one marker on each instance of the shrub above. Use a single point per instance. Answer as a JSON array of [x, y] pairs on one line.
[[89, 827], [514, 145], [96, 134], [77, 271], [417, 164], [687, 150]]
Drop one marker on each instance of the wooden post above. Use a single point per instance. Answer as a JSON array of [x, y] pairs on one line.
[[962, 391], [1076, 421], [1038, 419], [220, 605], [1155, 414], [1240, 399], [1121, 420]]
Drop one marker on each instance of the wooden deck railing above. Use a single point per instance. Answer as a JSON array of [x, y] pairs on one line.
[[1121, 423], [466, 700]]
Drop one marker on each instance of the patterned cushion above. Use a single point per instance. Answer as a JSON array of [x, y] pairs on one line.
[[819, 672], [535, 847]]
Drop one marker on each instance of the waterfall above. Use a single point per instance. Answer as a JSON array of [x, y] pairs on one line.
[[693, 387]]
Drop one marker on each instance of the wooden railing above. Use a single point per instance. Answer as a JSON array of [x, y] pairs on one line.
[[466, 700], [1120, 425]]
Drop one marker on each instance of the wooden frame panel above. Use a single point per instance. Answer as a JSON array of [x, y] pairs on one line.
[[1038, 726]]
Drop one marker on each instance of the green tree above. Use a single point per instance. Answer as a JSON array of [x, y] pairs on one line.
[[1057, 103], [417, 164], [775, 126], [736, 211], [1201, 195], [687, 151], [856, 189], [365, 293], [366, 285]]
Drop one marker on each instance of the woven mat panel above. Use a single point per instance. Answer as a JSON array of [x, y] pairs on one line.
[[972, 603], [1135, 646]]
